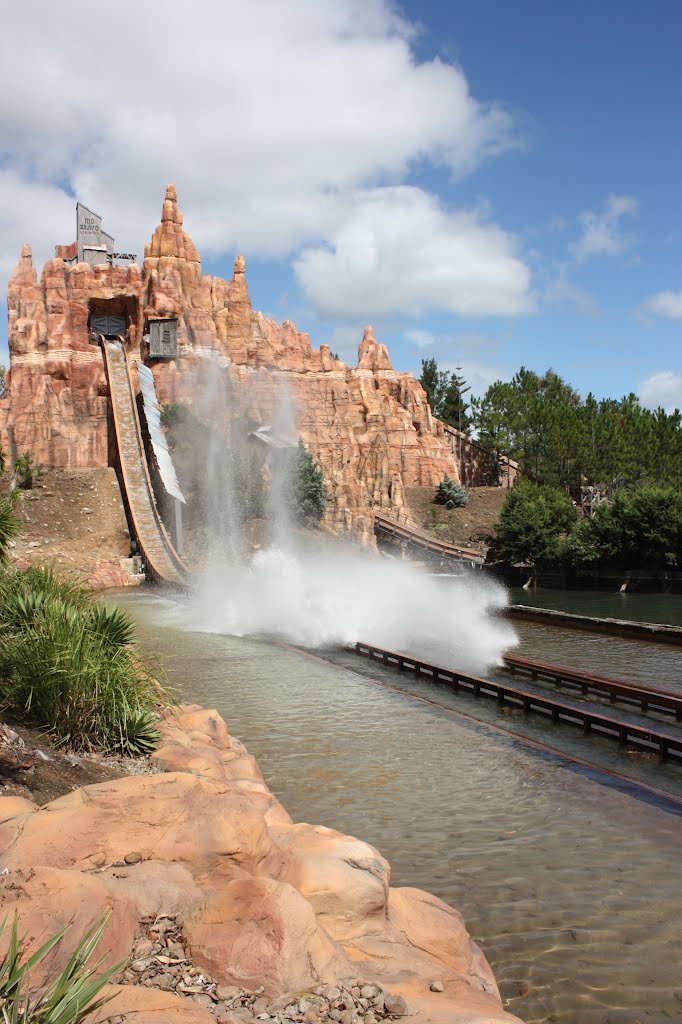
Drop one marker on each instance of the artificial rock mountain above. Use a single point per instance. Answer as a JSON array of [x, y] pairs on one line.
[[369, 426]]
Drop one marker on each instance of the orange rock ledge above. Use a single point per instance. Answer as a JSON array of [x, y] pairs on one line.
[[263, 903]]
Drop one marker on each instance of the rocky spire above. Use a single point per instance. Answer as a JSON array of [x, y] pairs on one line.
[[171, 248], [371, 354], [24, 269], [170, 213]]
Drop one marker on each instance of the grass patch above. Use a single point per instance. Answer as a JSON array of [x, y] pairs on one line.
[[67, 664]]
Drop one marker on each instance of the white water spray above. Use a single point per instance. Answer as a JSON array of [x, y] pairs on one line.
[[336, 597], [336, 594]]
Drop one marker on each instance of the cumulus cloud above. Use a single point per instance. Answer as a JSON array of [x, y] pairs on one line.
[[266, 115], [602, 233], [667, 304], [31, 211], [662, 389], [397, 250]]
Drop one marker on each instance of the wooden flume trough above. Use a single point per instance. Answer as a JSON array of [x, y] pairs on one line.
[[161, 559]]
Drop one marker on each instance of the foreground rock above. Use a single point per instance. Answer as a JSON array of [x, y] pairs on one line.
[[223, 908]]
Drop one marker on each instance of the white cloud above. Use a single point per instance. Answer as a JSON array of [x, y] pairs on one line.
[[668, 304], [266, 115], [563, 293], [344, 341], [35, 212], [602, 233], [396, 250], [422, 339], [662, 389]]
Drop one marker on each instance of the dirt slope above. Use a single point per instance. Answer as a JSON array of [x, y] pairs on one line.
[[72, 518], [463, 526]]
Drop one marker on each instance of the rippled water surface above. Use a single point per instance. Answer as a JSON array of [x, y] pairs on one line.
[[571, 886], [636, 660]]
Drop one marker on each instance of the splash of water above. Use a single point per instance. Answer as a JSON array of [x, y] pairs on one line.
[[334, 594], [324, 599]]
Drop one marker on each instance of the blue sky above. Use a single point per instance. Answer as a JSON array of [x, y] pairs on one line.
[[491, 184]]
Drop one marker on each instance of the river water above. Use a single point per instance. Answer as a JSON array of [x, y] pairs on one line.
[[654, 607], [570, 883]]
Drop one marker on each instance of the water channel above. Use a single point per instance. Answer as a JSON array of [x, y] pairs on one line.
[[569, 880]]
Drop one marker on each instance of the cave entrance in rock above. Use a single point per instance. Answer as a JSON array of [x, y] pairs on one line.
[[114, 318]]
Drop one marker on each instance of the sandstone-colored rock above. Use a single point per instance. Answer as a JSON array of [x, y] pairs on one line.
[[15, 806], [257, 931], [48, 899], [431, 925], [149, 1006], [369, 426], [345, 880], [254, 900], [110, 574], [187, 820]]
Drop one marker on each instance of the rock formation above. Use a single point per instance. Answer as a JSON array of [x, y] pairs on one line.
[[205, 850], [369, 426]]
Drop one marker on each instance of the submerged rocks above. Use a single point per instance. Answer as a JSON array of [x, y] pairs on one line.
[[228, 911]]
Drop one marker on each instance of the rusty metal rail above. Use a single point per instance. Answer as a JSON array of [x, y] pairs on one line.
[[399, 532], [628, 734], [649, 698]]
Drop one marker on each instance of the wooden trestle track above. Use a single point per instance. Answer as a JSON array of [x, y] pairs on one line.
[[667, 745], [395, 532]]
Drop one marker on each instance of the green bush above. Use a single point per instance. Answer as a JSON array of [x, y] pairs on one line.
[[67, 999], [450, 494], [25, 471], [66, 663], [9, 524], [532, 523]]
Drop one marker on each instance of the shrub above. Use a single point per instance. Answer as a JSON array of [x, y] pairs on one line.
[[67, 999], [25, 471], [67, 664], [9, 524], [450, 494], [171, 414]]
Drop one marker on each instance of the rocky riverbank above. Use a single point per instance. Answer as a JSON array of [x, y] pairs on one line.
[[224, 909]]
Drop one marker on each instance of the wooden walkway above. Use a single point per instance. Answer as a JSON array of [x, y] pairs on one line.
[[161, 559], [648, 698], [647, 737]]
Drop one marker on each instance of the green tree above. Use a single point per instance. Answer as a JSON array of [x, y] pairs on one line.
[[445, 392], [434, 382], [308, 495], [641, 529], [531, 524], [454, 407]]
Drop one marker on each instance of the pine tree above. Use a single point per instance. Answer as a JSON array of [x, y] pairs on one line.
[[450, 493], [308, 494]]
